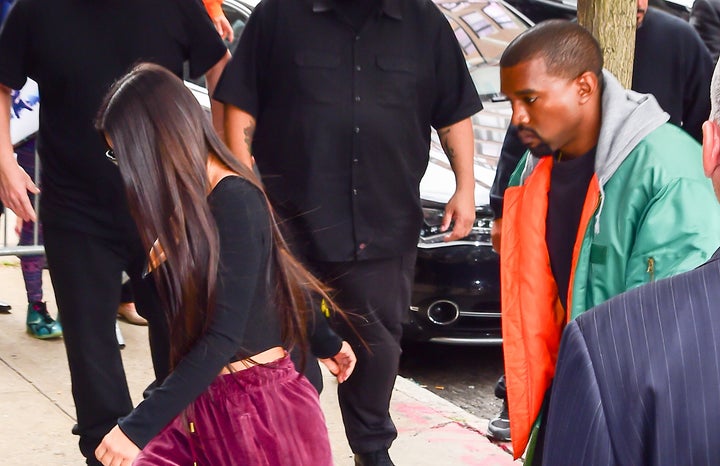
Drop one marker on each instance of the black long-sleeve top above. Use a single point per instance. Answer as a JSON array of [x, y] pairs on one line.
[[244, 323]]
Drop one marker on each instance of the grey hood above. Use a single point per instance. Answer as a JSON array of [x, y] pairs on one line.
[[627, 117]]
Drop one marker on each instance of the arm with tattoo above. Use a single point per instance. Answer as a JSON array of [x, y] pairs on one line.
[[449, 151], [458, 144], [239, 130]]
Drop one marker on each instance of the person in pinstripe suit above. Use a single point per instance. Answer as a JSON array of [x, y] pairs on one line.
[[638, 377]]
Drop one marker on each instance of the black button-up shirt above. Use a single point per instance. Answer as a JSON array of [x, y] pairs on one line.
[[344, 115]]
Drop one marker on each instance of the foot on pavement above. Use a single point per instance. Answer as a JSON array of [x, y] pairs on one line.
[[39, 323]]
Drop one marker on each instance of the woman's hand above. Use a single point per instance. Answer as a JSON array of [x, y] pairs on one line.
[[342, 364], [116, 449]]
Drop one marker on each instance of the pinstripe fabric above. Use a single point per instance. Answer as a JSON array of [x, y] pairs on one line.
[[638, 378]]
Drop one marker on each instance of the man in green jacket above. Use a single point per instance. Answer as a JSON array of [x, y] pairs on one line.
[[611, 197]]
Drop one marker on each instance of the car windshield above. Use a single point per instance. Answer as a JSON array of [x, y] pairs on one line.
[[483, 29]]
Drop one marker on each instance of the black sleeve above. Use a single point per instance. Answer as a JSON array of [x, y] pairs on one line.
[[705, 18], [510, 154], [243, 227], [324, 342], [456, 97], [15, 43], [698, 73], [240, 83], [205, 47]]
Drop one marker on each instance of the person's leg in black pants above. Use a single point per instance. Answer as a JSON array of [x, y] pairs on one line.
[[376, 295], [86, 272]]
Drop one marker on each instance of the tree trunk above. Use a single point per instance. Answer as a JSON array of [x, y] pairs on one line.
[[613, 22]]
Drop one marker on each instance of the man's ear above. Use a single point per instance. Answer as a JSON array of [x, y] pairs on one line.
[[710, 147], [587, 84]]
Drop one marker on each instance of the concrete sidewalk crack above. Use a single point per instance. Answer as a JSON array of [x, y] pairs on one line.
[[30, 382], [460, 424]]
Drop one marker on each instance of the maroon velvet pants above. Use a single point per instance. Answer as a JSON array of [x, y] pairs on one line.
[[264, 415]]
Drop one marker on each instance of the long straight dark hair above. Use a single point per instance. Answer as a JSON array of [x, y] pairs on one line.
[[162, 138]]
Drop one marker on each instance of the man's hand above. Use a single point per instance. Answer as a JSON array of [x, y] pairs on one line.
[[223, 28], [496, 234], [461, 210], [342, 364], [14, 187], [116, 449], [14, 182]]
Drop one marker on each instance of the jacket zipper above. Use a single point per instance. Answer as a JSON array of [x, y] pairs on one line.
[[191, 427], [651, 268]]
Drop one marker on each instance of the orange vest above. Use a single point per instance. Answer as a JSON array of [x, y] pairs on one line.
[[214, 8], [532, 316]]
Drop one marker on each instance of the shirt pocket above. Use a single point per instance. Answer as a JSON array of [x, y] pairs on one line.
[[397, 81], [318, 75]]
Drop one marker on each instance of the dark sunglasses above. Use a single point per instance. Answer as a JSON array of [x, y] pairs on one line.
[[110, 154]]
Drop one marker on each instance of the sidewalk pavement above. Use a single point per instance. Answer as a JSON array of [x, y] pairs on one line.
[[37, 410]]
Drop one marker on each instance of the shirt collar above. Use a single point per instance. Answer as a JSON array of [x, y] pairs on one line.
[[392, 8]]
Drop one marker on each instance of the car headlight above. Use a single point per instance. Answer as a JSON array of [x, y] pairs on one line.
[[432, 237]]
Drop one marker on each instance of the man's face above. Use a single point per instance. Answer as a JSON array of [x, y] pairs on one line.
[[546, 108]]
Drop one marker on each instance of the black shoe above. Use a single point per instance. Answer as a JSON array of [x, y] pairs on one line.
[[499, 427], [375, 458], [5, 308]]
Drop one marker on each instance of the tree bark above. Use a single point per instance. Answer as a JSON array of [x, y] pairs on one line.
[[613, 23]]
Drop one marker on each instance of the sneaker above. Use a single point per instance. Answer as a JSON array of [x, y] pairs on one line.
[[499, 426], [40, 324], [5, 308], [500, 388]]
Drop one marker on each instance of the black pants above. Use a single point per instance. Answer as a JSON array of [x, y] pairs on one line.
[[86, 276], [126, 293], [376, 295]]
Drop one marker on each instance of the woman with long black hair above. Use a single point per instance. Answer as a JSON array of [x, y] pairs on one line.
[[236, 299]]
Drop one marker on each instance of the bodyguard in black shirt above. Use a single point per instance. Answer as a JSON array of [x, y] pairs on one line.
[[337, 99], [74, 51]]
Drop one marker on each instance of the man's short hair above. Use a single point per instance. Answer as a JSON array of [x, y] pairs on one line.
[[715, 95], [568, 49]]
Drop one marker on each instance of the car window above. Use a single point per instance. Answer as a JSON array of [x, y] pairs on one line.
[[483, 30]]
